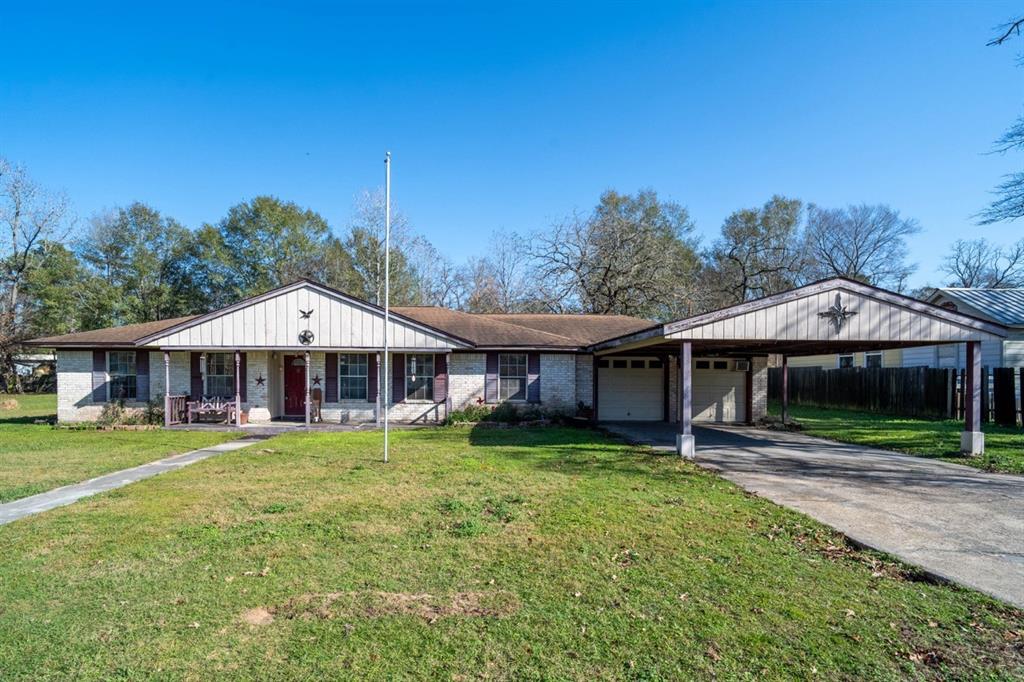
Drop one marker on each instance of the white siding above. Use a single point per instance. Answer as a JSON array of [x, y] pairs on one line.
[[276, 322]]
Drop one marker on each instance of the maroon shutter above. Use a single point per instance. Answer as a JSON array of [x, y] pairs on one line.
[[491, 382], [243, 378], [142, 376], [440, 378], [196, 387], [99, 376], [331, 390], [533, 377], [371, 378], [398, 378]]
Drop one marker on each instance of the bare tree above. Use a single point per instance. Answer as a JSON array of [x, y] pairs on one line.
[[29, 217], [866, 243], [1009, 201], [499, 282], [979, 263]]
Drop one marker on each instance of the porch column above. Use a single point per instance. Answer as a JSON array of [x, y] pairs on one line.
[[785, 389], [376, 407], [307, 388], [167, 388], [972, 440], [238, 388], [684, 434]]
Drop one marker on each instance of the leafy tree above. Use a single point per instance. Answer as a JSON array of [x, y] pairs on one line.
[[139, 258], [54, 293], [630, 256], [30, 217], [866, 243], [759, 252]]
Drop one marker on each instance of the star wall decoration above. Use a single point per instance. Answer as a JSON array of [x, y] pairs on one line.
[[837, 313], [260, 380], [306, 337], [316, 380]]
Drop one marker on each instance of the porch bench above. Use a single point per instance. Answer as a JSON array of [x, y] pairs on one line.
[[212, 406]]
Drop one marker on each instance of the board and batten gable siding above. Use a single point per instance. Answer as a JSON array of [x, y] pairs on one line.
[[276, 322], [798, 320]]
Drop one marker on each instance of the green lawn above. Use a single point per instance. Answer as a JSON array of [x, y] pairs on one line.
[[1004, 447], [520, 553], [35, 458]]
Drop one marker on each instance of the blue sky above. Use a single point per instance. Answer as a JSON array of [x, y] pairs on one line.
[[511, 116]]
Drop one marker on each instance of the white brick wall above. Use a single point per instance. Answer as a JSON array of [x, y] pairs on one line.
[[74, 386], [585, 379], [467, 374], [759, 404], [557, 381]]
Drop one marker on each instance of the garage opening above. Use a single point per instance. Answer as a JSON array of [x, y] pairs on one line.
[[719, 390], [631, 389]]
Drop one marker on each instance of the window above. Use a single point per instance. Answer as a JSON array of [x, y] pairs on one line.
[[703, 364], [121, 367], [637, 364], [419, 377], [512, 376], [220, 375], [845, 361], [654, 364], [603, 364], [872, 359], [352, 375], [619, 364], [721, 364]]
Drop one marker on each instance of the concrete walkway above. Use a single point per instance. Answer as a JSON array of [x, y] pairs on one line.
[[954, 521], [58, 497]]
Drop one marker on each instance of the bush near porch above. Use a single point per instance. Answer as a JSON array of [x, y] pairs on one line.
[[528, 553], [35, 458], [934, 439]]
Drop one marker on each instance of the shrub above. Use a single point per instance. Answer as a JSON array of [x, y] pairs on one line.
[[474, 413]]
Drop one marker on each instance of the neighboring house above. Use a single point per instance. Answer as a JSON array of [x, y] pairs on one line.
[[270, 353], [1002, 306]]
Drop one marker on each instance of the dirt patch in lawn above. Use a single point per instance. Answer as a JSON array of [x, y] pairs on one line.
[[375, 604], [8, 404]]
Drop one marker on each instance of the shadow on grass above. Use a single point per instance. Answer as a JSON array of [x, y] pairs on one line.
[[29, 419]]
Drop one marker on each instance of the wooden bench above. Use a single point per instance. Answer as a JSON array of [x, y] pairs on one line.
[[208, 406]]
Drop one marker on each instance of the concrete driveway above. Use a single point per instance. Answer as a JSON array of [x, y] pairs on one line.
[[952, 520]]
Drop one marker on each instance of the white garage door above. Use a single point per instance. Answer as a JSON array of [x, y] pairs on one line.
[[630, 389], [719, 392]]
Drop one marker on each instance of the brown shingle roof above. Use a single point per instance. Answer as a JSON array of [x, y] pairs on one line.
[[111, 336], [534, 330]]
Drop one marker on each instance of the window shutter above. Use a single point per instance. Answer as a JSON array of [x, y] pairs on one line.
[[142, 376], [398, 378], [371, 378], [196, 371], [440, 378], [533, 377], [243, 378], [331, 390], [491, 382], [99, 376]]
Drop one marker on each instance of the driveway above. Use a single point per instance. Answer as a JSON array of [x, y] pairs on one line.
[[952, 520]]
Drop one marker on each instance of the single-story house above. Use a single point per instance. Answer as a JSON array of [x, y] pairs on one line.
[[272, 354], [1002, 306]]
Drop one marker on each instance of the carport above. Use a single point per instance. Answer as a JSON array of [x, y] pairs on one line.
[[712, 355]]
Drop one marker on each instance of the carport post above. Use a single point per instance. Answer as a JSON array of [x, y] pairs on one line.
[[785, 389], [972, 440], [684, 434]]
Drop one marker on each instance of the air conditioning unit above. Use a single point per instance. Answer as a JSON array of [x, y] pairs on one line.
[[742, 366]]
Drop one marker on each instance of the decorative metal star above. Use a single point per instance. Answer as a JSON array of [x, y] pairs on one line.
[[260, 380], [306, 337], [305, 313], [838, 314], [316, 380]]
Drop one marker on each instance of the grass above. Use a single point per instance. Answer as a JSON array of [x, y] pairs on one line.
[[519, 553], [938, 439], [36, 458]]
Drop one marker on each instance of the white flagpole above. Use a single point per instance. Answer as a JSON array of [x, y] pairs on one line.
[[387, 289]]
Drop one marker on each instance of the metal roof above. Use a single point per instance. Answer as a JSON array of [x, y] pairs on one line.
[[1005, 306]]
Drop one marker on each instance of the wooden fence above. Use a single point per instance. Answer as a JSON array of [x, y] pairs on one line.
[[904, 391]]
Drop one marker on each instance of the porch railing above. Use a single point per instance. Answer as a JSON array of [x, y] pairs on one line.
[[174, 409]]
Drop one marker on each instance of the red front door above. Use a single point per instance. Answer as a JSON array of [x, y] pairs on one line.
[[294, 386]]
